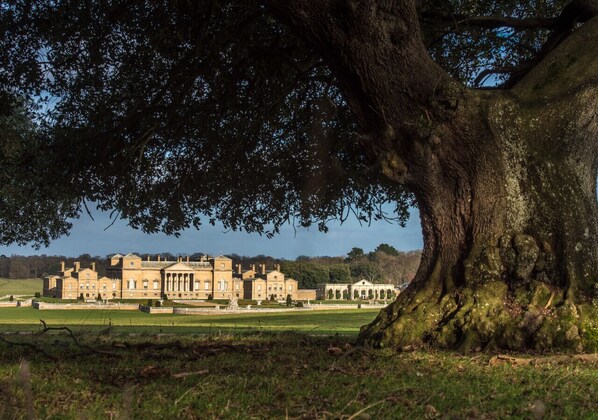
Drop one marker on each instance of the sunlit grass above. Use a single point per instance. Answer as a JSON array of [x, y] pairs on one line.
[[20, 286], [316, 322], [281, 375]]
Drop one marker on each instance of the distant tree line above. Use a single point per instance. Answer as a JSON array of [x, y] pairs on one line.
[[383, 265], [21, 267]]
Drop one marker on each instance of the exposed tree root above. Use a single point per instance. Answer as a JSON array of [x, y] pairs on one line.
[[489, 316]]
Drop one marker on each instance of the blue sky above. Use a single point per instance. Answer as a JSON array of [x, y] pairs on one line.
[[89, 236]]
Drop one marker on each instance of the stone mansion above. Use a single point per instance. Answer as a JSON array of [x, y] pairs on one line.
[[131, 277]]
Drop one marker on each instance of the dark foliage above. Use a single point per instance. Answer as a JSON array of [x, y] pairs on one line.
[[174, 113]]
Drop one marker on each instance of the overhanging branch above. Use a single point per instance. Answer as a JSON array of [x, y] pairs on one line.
[[489, 22]]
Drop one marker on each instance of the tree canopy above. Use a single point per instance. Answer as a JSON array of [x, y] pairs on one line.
[[170, 113], [261, 113]]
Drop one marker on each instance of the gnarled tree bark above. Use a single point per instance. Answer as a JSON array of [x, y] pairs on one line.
[[505, 180]]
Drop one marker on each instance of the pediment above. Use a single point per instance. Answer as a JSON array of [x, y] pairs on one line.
[[363, 282], [275, 273], [180, 266]]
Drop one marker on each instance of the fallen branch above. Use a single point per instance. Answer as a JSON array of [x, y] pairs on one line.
[[28, 345], [74, 338], [502, 359], [185, 374]]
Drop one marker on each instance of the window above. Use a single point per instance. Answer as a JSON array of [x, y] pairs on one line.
[[70, 287], [93, 286], [206, 285], [87, 275], [82, 287], [104, 286], [113, 286], [259, 287], [290, 288], [132, 263], [156, 284], [222, 265], [237, 286], [222, 285], [132, 284], [196, 287], [145, 284]]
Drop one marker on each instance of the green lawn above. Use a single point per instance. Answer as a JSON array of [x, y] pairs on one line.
[[20, 286], [277, 376], [263, 365], [316, 322]]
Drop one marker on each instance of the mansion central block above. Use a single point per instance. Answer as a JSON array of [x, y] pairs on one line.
[[131, 277]]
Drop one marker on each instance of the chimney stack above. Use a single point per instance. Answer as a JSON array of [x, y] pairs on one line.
[[62, 266], [262, 268], [93, 266], [253, 268], [239, 269], [148, 257], [158, 257], [277, 267], [187, 258], [77, 265]]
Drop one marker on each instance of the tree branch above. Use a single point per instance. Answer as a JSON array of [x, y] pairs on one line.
[[489, 22], [360, 41]]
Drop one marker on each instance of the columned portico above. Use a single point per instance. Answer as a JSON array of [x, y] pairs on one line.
[[362, 289]]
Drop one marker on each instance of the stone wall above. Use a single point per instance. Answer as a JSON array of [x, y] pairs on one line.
[[306, 294], [104, 307], [155, 309], [212, 311]]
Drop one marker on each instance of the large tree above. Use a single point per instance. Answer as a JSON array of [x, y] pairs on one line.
[[255, 112]]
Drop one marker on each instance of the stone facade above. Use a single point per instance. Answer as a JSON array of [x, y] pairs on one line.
[[72, 282], [181, 279], [265, 284], [131, 277], [362, 289]]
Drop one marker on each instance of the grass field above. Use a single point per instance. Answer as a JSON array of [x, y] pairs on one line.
[[315, 322], [281, 375], [26, 287], [263, 365]]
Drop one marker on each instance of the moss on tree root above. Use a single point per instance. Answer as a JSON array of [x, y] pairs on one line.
[[535, 317]]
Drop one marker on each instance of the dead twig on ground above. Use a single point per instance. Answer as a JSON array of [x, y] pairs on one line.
[[502, 358]]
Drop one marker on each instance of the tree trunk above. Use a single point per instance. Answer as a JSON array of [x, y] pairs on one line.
[[505, 181], [507, 196]]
